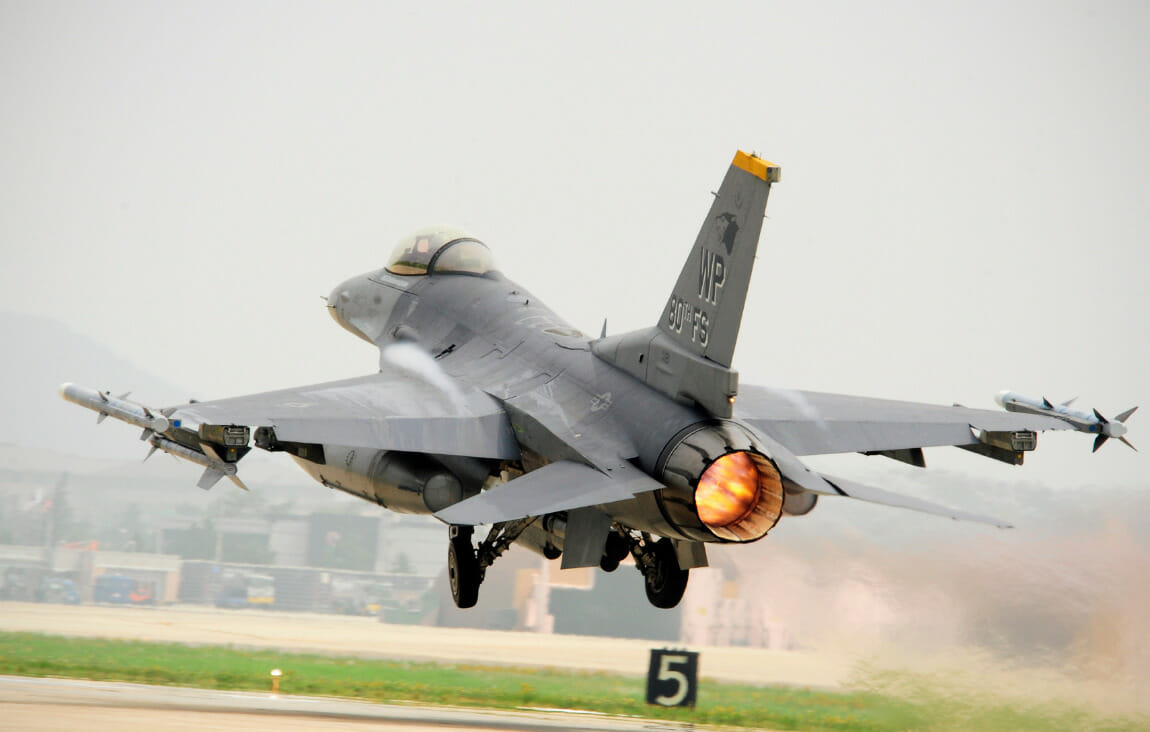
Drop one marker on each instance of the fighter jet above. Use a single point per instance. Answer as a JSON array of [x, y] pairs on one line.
[[490, 410]]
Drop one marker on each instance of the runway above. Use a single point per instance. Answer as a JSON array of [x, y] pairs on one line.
[[365, 637], [65, 704]]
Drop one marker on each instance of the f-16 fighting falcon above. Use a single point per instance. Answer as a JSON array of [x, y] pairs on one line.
[[490, 410]]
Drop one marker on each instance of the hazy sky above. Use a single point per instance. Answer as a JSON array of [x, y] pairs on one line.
[[962, 207]]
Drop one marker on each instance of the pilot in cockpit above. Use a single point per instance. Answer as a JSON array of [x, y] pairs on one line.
[[412, 256], [451, 251]]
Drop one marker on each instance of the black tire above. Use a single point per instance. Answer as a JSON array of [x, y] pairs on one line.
[[665, 582], [614, 551], [463, 572], [616, 548]]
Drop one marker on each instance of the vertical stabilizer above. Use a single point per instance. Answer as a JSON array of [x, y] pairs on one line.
[[687, 356], [705, 309]]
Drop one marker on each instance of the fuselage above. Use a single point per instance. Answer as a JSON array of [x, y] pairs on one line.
[[493, 334]]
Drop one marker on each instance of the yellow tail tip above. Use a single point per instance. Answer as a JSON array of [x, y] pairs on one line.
[[756, 166]]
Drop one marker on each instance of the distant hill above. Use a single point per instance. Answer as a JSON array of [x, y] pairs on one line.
[[42, 354]]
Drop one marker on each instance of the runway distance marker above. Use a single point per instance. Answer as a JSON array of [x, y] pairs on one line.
[[672, 678]]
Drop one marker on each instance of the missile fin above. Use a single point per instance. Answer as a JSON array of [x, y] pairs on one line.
[[146, 434], [125, 395], [236, 479], [1069, 401], [211, 452], [1126, 415], [101, 417], [1046, 403], [210, 477], [1101, 419], [151, 452], [1100, 440], [1127, 443]]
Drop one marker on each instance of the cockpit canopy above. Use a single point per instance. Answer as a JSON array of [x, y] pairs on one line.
[[438, 250]]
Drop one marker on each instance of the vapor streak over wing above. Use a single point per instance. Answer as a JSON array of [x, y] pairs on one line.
[[391, 410]]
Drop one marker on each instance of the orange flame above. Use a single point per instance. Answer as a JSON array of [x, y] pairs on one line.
[[728, 490]]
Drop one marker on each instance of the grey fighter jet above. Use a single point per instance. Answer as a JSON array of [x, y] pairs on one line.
[[490, 410]]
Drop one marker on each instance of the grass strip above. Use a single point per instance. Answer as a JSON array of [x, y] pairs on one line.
[[499, 687]]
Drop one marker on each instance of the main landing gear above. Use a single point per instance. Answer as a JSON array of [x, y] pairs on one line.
[[463, 568], [664, 581], [467, 565]]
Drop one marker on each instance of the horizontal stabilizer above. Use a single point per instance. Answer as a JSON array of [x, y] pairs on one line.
[[559, 486], [862, 492]]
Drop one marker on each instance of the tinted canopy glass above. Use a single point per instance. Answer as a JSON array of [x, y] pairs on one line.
[[440, 249]]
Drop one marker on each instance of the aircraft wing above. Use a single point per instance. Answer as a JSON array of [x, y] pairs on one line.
[[391, 410], [815, 423]]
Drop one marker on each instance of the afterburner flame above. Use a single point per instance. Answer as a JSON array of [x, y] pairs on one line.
[[728, 490]]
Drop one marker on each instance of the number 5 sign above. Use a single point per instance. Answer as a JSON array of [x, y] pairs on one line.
[[672, 678]]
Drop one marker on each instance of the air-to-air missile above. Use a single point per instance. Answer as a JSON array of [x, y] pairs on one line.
[[154, 423], [116, 407], [1093, 423], [214, 467]]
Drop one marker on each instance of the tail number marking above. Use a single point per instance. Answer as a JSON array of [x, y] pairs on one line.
[[712, 275], [682, 314]]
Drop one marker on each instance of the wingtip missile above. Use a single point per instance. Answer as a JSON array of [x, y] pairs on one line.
[[1092, 422], [154, 423], [1113, 428], [119, 408]]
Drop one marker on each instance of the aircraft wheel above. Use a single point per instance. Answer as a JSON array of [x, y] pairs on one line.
[[665, 582], [463, 571], [615, 551], [617, 547]]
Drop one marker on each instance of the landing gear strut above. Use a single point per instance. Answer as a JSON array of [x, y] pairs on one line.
[[664, 581], [467, 565]]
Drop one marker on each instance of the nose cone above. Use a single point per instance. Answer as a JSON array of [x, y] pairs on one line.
[[1000, 397], [337, 306], [363, 306]]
